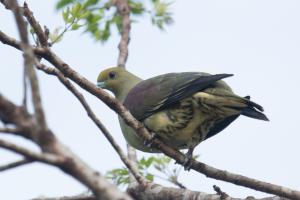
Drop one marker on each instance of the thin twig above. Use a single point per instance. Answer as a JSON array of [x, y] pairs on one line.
[[42, 157], [62, 33], [24, 102], [222, 194], [123, 10], [42, 37], [29, 59], [15, 131], [131, 154], [15, 164]]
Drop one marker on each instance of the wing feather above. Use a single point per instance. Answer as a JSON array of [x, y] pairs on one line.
[[160, 92]]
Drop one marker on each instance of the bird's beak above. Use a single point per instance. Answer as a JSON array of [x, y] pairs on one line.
[[101, 85]]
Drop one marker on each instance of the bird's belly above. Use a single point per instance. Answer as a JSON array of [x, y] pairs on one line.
[[189, 130]]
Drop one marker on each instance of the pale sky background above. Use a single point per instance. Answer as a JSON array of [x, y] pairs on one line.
[[256, 40]]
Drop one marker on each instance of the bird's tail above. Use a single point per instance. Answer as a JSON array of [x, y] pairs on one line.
[[253, 110], [230, 104]]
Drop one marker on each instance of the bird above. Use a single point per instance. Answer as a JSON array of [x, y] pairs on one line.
[[180, 109]]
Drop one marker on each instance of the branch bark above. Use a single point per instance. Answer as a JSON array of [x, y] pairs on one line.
[[158, 192]]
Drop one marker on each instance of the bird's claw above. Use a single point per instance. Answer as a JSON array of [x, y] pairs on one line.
[[148, 143], [187, 164]]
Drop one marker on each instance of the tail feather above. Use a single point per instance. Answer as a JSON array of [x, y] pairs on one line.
[[253, 104], [253, 113]]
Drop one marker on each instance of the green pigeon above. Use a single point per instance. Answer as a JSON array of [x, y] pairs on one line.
[[181, 109]]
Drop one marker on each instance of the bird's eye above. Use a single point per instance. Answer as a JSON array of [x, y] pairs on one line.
[[112, 75]]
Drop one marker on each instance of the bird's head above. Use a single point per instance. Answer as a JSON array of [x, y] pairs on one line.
[[118, 80]]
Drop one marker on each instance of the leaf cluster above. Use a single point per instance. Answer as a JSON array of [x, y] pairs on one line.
[[100, 17], [147, 168]]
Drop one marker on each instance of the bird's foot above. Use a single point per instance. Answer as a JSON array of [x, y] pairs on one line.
[[148, 143], [187, 164]]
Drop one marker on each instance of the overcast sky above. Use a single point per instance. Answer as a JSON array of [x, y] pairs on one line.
[[256, 40]]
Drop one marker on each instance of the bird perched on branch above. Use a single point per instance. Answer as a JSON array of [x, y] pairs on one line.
[[181, 109]]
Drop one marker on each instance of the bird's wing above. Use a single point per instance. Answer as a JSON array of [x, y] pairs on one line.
[[160, 92]]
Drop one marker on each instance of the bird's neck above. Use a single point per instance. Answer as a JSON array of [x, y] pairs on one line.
[[126, 87]]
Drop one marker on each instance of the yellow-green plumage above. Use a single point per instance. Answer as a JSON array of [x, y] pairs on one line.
[[182, 109]]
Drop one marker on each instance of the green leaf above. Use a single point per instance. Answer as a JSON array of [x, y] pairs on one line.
[[85, 14], [75, 26], [90, 3], [149, 177], [136, 7], [65, 14], [118, 21], [62, 3], [160, 8], [76, 9], [142, 161], [149, 161]]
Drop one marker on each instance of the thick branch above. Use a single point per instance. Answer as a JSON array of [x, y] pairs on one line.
[[158, 192], [77, 197]]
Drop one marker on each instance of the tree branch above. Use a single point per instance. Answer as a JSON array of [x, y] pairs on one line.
[[77, 197], [42, 157], [14, 131], [29, 62], [158, 192], [15, 164], [42, 36], [123, 10]]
